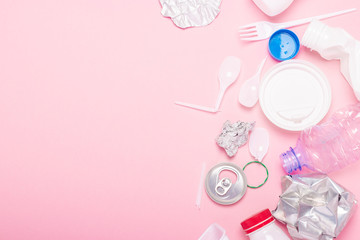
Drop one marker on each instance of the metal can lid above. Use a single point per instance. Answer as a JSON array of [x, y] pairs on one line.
[[224, 191]]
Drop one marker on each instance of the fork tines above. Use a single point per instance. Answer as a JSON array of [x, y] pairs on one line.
[[248, 32]]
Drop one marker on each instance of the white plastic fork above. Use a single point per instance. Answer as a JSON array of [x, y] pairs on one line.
[[263, 30]]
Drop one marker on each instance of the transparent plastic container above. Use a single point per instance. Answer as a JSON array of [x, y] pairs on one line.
[[262, 226], [214, 232], [327, 147]]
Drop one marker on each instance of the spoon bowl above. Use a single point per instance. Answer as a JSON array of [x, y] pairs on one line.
[[249, 92], [228, 73], [259, 143]]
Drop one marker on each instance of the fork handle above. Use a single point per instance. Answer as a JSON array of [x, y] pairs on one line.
[[309, 19]]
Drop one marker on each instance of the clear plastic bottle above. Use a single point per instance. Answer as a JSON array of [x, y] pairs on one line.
[[327, 147], [262, 226]]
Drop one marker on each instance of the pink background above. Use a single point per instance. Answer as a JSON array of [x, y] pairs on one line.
[[91, 144]]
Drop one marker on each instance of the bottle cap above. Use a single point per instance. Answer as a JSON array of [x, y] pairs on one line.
[[284, 45], [257, 221]]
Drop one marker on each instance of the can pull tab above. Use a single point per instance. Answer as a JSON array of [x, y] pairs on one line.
[[223, 186]]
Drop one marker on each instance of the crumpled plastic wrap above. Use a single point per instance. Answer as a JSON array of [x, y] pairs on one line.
[[190, 13], [314, 207], [234, 136]]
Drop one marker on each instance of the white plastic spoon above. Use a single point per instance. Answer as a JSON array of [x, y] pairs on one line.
[[228, 73], [259, 143], [249, 92]]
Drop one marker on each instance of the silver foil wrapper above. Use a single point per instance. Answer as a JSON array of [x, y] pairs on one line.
[[233, 136], [190, 13], [314, 207]]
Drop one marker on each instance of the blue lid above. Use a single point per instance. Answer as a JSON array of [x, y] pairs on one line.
[[283, 45]]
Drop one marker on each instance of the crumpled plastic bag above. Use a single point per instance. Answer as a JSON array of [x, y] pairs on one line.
[[314, 207], [190, 13]]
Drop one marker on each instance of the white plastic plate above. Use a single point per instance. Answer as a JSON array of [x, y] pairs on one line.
[[295, 95]]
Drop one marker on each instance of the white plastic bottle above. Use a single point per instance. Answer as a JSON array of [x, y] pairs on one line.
[[336, 43], [273, 7], [262, 226]]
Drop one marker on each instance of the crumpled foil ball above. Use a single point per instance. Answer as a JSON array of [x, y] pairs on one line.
[[314, 207], [234, 136], [190, 13]]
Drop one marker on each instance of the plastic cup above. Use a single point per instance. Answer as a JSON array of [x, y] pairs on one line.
[[214, 232]]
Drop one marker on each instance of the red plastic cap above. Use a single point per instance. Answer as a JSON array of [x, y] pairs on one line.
[[257, 221]]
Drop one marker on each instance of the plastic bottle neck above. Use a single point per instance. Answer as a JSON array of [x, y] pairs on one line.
[[293, 159], [314, 35], [257, 222], [330, 43]]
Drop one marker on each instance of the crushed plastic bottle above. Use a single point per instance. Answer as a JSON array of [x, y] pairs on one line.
[[336, 43], [327, 147]]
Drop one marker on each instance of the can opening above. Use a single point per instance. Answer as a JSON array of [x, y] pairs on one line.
[[228, 174]]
